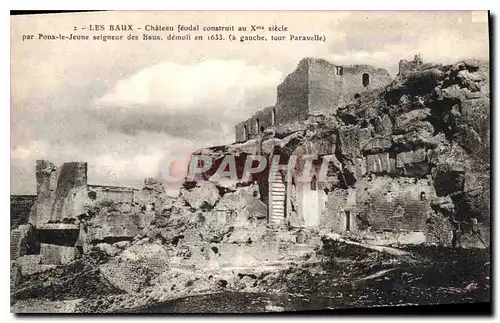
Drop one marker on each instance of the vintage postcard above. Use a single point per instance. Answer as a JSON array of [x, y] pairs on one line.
[[249, 162]]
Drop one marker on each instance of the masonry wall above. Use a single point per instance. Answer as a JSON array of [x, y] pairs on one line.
[[381, 204], [291, 104], [408, 66], [293, 95], [101, 193], [326, 84], [316, 86], [353, 82], [253, 126]]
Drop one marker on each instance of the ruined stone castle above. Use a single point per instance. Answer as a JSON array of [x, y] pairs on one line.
[[316, 86], [389, 178]]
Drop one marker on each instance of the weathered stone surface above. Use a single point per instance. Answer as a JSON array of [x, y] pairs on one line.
[[110, 221], [234, 205], [376, 145], [121, 244], [380, 163], [204, 195], [31, 264], [249, 147], [154, 184], [112, 225], [451, 164], [57, 255], [20, 208], [61, 192], [348, 136], [110, 250], [418, 138], [410, 157], [242, 206], [137, 266], [415, 115], [444, 203], [383, 125]]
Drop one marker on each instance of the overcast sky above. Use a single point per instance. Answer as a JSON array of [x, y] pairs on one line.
[[123, 106]]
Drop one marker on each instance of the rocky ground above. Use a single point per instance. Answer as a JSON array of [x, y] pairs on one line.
[[339, 275]]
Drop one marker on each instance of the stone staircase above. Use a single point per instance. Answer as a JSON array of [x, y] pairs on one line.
[[277, 198]]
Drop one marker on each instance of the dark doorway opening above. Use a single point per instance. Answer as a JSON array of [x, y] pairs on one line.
[[347, 221], [366, 79]]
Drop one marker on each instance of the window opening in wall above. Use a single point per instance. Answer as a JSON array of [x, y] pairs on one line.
[[262, 128], [357, 96], [347, 221], [273, 117], [339, 70], [245, 132], [257, 125], [366, 79]]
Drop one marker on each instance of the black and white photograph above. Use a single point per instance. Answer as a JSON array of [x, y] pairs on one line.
[[249, 162]]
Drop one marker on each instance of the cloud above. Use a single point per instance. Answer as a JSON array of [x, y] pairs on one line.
[[378, 39], [197, 102], [212, 84]]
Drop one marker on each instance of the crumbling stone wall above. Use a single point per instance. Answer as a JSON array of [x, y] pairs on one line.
[[61, 192], [384, 203], [329, 91], [256, 124], [70, 216], [57, 255], [408, 66], [20, 239], [20, 208], [292, 103], [101, 193], [316, 86], [334, 217]]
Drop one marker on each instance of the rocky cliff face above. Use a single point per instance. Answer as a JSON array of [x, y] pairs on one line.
[[431, 123], [428, 131]]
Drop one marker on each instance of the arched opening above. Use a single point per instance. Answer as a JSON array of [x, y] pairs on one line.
[[357, 96], [366, 79], [262, 129], [245, 133], [273, 116], [257, 125]]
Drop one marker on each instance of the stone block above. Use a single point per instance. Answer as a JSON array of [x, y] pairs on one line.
[[57, 255], [410, 158], [409, 117], [205, 194], [376, 145], [380, 163]]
